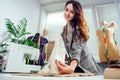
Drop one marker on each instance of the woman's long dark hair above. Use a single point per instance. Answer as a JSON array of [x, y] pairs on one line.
[[79, 21]]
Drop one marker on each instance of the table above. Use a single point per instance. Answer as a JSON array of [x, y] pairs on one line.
[[10, 76]]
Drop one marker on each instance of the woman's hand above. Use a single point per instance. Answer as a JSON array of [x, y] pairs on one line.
[[63, 68]]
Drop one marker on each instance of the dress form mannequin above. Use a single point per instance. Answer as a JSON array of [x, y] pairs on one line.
[[113, 51], [107, 43], [102, 49], [40, 41]]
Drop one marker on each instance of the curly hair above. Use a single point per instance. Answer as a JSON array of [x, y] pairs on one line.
[[79, 23]]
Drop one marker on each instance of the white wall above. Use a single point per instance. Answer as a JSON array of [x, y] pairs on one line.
[[55, 24], [92, 42], [17, 9], [43, 20]]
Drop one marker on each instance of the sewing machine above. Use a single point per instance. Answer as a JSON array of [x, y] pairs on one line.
[[16, 60]]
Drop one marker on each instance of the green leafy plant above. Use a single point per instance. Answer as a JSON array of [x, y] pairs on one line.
[[3, 48], [18, 33]]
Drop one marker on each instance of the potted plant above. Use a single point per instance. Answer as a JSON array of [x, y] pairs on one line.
[[18, 32]]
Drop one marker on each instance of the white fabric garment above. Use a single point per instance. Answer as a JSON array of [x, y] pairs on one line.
[[58, 53]]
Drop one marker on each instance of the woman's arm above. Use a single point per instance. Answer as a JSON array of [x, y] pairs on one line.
[[66, 69], [73, 64]]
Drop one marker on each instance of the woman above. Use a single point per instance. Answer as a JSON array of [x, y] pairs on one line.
[[75, 35]]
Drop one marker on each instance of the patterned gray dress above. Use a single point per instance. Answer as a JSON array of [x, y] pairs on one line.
[[80, 52]]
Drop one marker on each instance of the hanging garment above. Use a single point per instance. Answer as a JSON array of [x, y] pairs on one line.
[[40, 41], [58, 53]]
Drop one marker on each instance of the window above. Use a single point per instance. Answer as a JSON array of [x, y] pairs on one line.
[[92, 42]]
